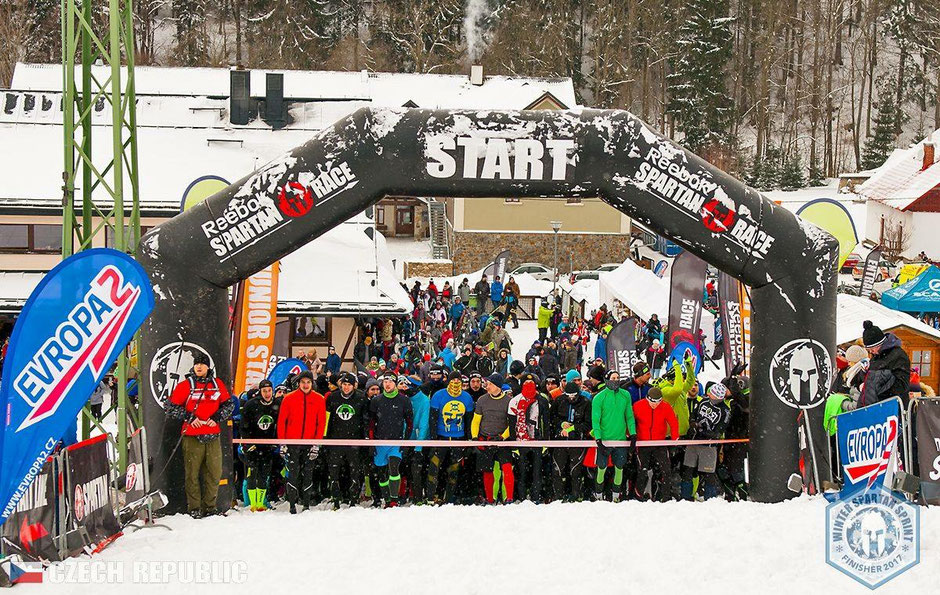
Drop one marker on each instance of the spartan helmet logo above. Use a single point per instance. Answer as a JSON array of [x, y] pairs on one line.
[[803, 373], [872, 535], [265, 422], [800, 373]]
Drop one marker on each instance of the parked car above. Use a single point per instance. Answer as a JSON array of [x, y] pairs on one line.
[[539, 271], [582, 275], [851, 262], [886, 270], [607, 267]]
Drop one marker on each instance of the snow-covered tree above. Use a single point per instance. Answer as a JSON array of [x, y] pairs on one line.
[[698, 98], [192, 36], [791, 173], [883, 139]]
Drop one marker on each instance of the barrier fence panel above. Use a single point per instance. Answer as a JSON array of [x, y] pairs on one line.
[[923, 436], [31, 530], [89, 510]]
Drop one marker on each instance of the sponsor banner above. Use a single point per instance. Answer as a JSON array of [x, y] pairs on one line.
[[745, 300], [69, 333], [731, 324], [621, 347], [868, 439], [256, 327], [502, 158], [869, 273], [498, 267], [833, 217], [928, 449], [284, 369], [30, 529], [697, 197], [660, 269], [252, 216], [685, 309], [200, 189], [87, 489]]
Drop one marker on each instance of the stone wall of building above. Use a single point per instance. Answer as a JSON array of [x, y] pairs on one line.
[[472, 251], [435, 268]]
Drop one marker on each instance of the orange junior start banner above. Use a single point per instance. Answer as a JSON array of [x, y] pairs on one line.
[[256, 327]]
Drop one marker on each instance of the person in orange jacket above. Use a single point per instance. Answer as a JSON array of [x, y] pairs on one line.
[[654, 422], [302, 416]]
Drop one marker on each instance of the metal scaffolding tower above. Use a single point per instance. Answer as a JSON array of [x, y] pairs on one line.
[[100, 188]]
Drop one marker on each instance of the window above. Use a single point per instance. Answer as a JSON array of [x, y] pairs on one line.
[[380, 216], [109, 235], [22, 237], [921, 359], [513, 201], [47, 238], [14, 237], [309, 330]]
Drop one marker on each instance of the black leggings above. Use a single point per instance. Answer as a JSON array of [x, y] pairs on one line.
[[390, 479], [299, 475], [259, 468], [529, 462], [452, 457], [566, 463], [340, 458]]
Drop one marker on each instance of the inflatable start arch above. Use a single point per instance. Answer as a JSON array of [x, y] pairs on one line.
[[790, 265]]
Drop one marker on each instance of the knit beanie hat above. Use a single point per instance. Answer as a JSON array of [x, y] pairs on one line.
[[855, 353], [570, 375], [572, 389], [872, 336]]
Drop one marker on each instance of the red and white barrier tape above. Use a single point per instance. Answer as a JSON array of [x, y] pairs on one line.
[[470, 443]]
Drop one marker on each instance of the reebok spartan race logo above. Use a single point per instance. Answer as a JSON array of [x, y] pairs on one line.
[[247, 220], [506, 159], [699, 198]]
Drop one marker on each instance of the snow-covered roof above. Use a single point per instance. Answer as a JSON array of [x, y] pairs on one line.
[[901, 180], [184, 132], [15, 288], [853, 310], [340, 273], [379, 88], [637, 288], [343, 271]]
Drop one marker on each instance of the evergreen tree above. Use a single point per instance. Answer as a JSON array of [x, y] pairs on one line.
[[754, 176], [880, 144], [698, 100], [816, 176], [192, 36], [791, 174]]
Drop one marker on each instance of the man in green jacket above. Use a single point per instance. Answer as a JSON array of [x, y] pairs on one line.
[[612, 419], [543, 320], [677, 389]]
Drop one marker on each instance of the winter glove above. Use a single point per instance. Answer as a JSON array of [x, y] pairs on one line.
[[283, 450], [481, 448], [313, 453], [632, 439], [251, 449], [600, 443]]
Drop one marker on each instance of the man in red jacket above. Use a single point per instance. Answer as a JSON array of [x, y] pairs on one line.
[[652, 420], [202, 402], [302, 416]]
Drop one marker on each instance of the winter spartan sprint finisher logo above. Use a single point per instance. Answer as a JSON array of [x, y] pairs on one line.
[[801, 373], [872, 536]]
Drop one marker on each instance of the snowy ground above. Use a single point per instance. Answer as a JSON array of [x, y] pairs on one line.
[[598, 548]]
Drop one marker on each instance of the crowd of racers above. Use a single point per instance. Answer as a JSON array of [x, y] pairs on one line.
[[445, 374]]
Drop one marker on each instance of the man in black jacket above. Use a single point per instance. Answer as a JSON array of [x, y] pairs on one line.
[[345, 420], [570, 420], [482, 292], [889, 374]]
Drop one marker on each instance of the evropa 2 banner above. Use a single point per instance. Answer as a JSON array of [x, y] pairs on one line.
[[74, 324]]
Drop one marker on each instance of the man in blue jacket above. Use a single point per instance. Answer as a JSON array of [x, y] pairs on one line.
[[420, 406], [456, 311], [496, 291]]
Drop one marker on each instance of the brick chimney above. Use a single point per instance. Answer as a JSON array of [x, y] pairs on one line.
[[928, 155]]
